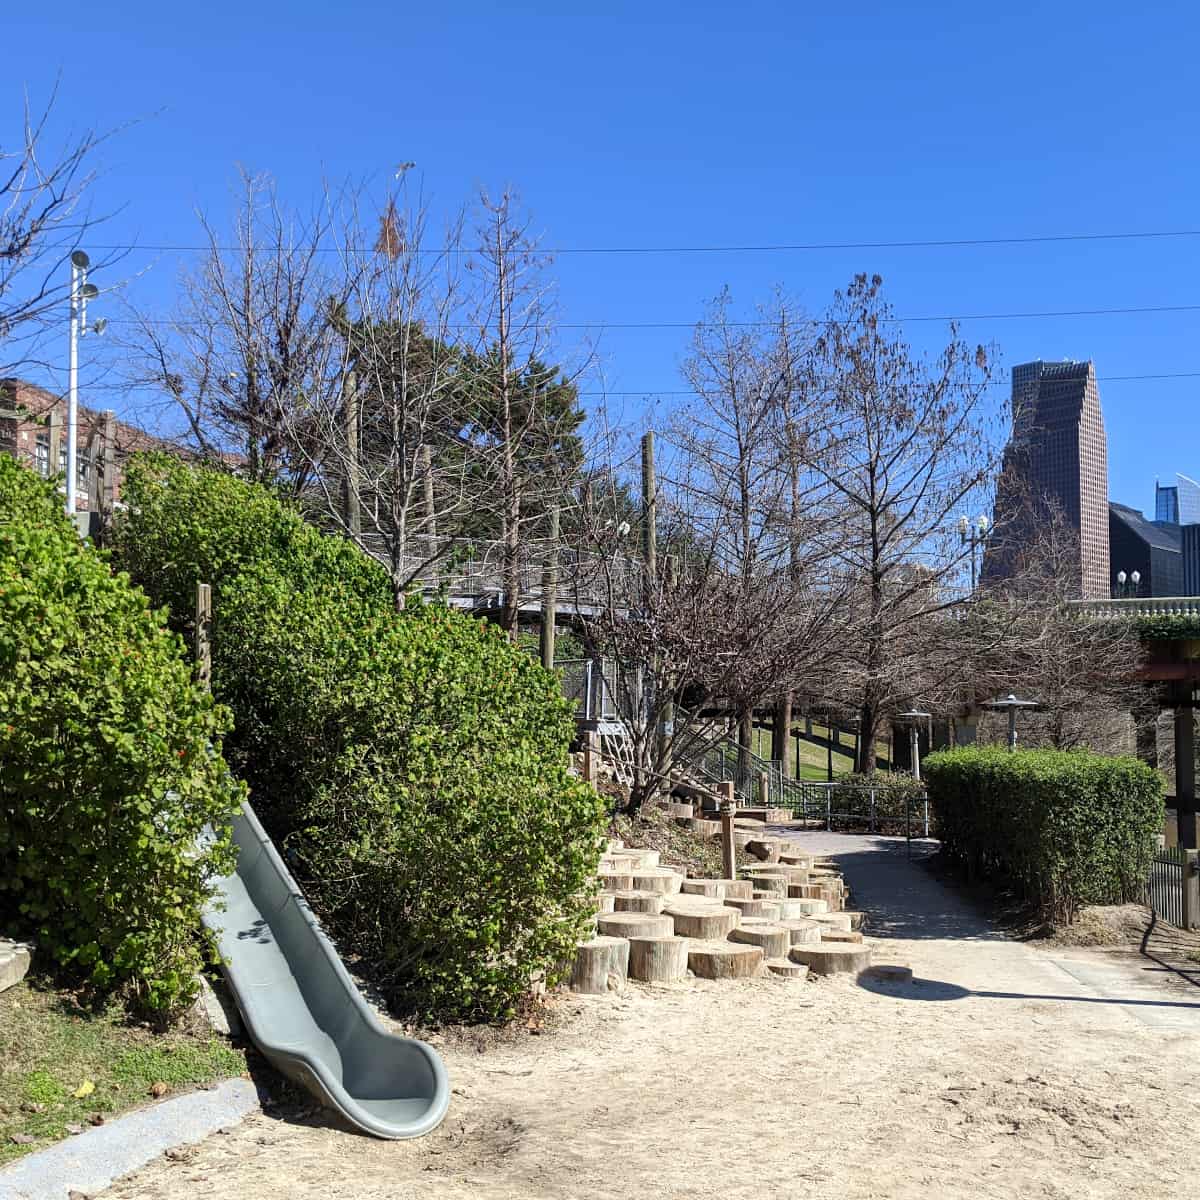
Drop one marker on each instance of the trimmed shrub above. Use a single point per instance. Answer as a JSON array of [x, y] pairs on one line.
[[186, 525], [109, 764], [413, 766], [1066, 827]]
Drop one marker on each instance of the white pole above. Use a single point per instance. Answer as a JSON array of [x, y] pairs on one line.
[[72, 392]]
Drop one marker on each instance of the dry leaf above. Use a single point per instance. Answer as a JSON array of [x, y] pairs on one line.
[[86, 1088], [22, 1139], [158, 1089]]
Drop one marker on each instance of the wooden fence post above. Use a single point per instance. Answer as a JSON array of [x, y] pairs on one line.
[[204, 635], [728, 848], [1188, 874], [764, 789], [589, 757]]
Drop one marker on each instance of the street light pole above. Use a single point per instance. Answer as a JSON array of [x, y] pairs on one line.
[[975, 533], [81, 293]]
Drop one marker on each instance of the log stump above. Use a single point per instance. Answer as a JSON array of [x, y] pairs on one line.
[[887, 973], [615, 881], [638, 902], [833, 921], [600, 964], [677, 808], [713, 888], [753, 908], [773, 940], [764, 849], [791, 910], [802, 931], [857, 919], [831, 960], [804, 891], [771, 885], [605, 902], [709, 924], [811, 908], [845, 936], [658, 959], [628, 924], [738, 889], [724, 960], [787, 969], [636, 860], [657, 879]]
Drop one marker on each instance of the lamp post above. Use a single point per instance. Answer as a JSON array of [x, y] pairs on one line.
[[1010, 704], [914, 717], [81, 293], [975, 533], [1123, 592]]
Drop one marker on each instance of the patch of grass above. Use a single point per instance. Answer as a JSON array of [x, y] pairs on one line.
[[51, 1049]]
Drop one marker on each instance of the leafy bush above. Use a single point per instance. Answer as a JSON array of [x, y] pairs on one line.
[[413, 765], [1068, 828], [186, 525], [108, 773]]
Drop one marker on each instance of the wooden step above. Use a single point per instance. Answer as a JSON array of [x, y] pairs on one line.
[[791, 910], [658, 879], [753, 908], [700, 827], [605, 902], [787, 969], [601, 964], [635, 859], [661, 959], [802, 930], [839, 921], [824, 959], [709, 923], [844, 936], [774, 940], [724, 960], [627, 925], [615, 881], [772, 885], [637, 902], [764, 849]]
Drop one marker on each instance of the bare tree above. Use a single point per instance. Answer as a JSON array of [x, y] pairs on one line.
[[1027, 637], [907, 445], [250, 340], [386, 464], [44, 216]]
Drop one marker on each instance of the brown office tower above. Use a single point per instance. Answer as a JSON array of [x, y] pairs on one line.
[[1056, 458]]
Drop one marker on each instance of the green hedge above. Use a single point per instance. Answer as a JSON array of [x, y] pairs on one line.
[[412, 765], [1066, 827], [108, 773]]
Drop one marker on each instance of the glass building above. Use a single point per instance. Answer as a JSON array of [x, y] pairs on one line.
[[1178, 504]]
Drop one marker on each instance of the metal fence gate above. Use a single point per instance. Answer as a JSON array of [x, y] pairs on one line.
[[1173, 888]]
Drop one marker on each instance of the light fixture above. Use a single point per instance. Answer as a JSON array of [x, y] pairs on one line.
[[80, 259]]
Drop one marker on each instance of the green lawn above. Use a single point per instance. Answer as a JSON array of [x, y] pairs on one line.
[[813, 754], [63, 1068]]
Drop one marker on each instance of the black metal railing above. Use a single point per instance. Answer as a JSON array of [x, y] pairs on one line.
[[1173, 887]]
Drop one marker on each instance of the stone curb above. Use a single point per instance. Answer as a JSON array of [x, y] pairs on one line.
[[92, 1160]]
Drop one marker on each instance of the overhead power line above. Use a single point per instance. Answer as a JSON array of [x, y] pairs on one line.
[[764, 248]]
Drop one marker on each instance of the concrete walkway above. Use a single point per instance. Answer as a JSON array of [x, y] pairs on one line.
[[955, 951]]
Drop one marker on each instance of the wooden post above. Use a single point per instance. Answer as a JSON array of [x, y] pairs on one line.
[[353, 513], [589, 757], [1185, 776], [728, 848], [108, 453], [1187, 873], [204, 635], [550, 593], [649, 512], [829, 757], [764, 789]]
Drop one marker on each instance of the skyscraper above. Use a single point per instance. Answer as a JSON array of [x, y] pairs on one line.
[[1057, 455], [1178, 504]]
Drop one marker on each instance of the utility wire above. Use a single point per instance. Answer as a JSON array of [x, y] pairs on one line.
[[766, 248]]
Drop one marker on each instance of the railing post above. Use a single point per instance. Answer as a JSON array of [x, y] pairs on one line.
[[1187, 870], [764, 789], [828, 807], [926, 817], [728, 848], [872, 817], [589, 757]]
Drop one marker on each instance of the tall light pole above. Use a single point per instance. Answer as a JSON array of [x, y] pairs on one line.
[[1010, 704], [1135, 578], [81, 293], [975, 532], [914, 718]]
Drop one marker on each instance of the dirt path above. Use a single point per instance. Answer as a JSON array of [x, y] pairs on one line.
[[1000, 1073]]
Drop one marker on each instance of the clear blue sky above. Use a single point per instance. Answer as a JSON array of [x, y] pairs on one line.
[[702, 124]]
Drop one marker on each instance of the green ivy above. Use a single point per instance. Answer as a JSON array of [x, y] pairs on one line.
[[1067, 828], [413, 766], [1167, 628], [110, 764]]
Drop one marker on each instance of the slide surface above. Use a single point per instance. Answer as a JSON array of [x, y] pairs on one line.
[[302, 1008]]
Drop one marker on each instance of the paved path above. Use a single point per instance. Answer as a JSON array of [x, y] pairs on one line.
[[955, 951]]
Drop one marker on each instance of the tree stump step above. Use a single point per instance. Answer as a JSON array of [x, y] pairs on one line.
[[635, 859], [844, 936], [802, 930], [833, 920], [772, 939], [724, 960], [810, 908], [658, 879], [887, 973], [826, 959], [600, 965], [786, 968], [753, 908], [638, 902], [629, 924], [615, 881], [709, 924], [658, 959]]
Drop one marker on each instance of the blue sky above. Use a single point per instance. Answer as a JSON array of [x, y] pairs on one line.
[[701, 124]]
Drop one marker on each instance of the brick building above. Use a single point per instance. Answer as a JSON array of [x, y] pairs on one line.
[[33, 428], [1058, 453]]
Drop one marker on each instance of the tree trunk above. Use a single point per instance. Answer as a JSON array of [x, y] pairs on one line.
[[745, 737], [781, 740]]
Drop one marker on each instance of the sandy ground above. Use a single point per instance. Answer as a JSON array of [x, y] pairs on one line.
[[1004, 1070]]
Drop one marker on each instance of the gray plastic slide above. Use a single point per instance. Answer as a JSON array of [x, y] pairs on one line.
[[302, 1008]]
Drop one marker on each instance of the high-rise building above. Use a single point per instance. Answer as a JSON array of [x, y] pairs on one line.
[[1057, 456], [1151, 548], [1178, 503]]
